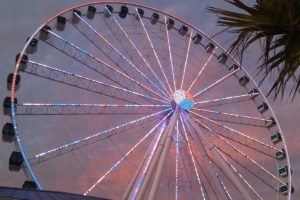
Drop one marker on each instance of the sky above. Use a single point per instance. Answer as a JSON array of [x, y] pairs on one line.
[[19, 19]]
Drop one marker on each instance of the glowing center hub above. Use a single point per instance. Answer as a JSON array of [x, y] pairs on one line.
[[184, 99]]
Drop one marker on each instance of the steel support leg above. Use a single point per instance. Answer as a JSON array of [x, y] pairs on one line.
[[162, 159], [227, 170], [151, 168], [134, 179], [221, 194]]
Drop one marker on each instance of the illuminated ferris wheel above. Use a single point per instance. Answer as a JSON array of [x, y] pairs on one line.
[[123, 101]]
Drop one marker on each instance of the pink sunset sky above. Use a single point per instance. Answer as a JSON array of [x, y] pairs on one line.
[[19, 19]]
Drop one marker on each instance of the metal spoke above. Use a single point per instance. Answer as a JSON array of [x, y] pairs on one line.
[[215, 83], [153, 49], [240, 152], [254, 142], [201, 70], [91, 61], [100, 42], [218, 188], [83, 109], [255, 174], [240, 175], [125, 156], [219, 179], [220, 192], [216, 154], [176, 161], [89, 139], [163, 156], [233, 118], [127, 42], [186, 165], [227, 100], [83, 82], [209, 186], [170, 53], [140, 188], [144, 168], [186, 59], [193, 159]]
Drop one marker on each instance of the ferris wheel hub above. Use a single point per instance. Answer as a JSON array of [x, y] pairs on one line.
[[184, 99]]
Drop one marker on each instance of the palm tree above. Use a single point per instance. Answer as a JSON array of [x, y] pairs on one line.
[[276, 25]]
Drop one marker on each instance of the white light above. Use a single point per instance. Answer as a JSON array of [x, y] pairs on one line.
[[184, 99]]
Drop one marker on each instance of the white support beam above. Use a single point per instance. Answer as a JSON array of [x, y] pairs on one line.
[[138, 193], [222, 163], [221, 193], [138, 173], [162, 159], [148, 174]]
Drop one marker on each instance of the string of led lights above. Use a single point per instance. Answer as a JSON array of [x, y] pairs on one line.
[[186, 58], [84, 109], [139, 53], [239, 151], [104, 64], [193, 159], [216, 83], [146, 166], [235, 131], [239, 174], [95, 81], [202, 69], [230, 114], [126, 155], [219, 178], [77, 142], [154, 51], [229, 98], [170, 53], [90, 105], [200, 144], [176, 161], [120, 54]]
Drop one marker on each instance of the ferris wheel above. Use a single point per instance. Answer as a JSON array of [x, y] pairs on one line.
[[124, 101]]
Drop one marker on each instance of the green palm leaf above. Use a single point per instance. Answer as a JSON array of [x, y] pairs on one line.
[[276, 24]]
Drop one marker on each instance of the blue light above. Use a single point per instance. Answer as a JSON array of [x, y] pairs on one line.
[[28, 166], [187, 104]]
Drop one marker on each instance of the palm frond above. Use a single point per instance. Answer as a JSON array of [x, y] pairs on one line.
[[276, 24]]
